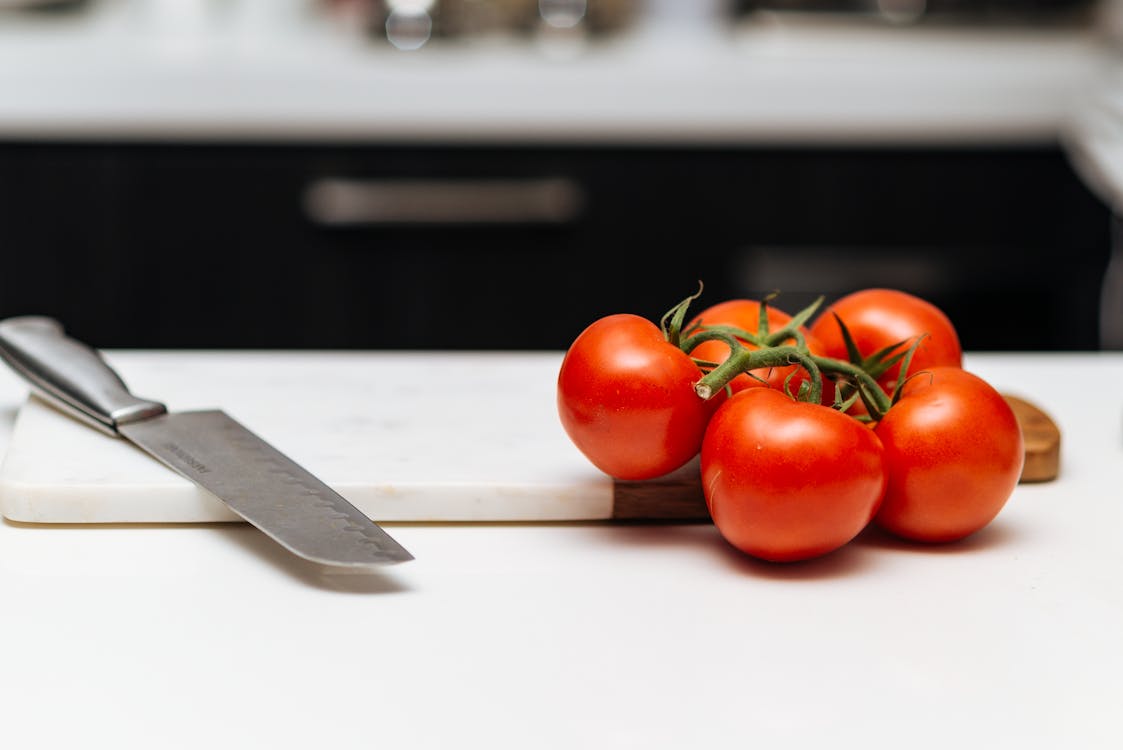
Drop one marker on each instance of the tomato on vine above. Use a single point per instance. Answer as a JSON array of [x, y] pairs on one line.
[[955, 453], [785, 476], [625, 397], [786, 480], [878, 318]]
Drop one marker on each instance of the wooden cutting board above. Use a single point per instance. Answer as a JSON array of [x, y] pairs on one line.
[[418, 437]]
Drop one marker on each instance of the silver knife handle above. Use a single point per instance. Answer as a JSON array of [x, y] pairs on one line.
[[70, 375]]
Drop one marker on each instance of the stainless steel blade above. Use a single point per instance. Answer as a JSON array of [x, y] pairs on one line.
[[265, 487]]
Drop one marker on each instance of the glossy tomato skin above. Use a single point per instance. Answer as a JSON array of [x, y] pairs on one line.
[[626, 399], [878, 317], [954, 452], [786, 480], [745, 314]]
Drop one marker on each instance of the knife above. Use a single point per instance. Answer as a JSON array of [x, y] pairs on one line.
[[210, 448]]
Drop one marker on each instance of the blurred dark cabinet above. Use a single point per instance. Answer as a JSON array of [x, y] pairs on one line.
[[214, 246]]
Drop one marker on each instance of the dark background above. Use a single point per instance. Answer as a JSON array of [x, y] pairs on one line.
[[210, 246]]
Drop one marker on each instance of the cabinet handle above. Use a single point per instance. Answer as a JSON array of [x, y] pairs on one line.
[[341, 202]]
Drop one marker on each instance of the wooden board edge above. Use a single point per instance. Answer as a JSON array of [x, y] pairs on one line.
[[1042, 439]]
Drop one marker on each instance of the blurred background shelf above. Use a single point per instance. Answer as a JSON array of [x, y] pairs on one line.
[[298, 70]]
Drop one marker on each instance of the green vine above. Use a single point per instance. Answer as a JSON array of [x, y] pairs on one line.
[[748, 351]]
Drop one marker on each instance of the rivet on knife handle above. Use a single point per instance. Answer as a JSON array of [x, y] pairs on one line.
[[69, 374]]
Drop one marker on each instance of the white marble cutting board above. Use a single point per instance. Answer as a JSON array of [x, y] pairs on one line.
[[404, 436]]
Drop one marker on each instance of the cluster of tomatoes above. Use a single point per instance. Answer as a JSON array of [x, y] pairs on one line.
[[808, 427]]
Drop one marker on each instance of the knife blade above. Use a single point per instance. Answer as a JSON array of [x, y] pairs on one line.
[[258, 482]]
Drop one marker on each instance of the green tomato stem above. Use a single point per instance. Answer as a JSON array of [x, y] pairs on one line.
[[769, 350], [734, 338], [742, 360]]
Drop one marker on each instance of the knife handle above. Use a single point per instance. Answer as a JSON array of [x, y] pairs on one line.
[[70, 375]]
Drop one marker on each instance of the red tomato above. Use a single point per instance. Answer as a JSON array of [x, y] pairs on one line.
[[745, 314], [877, 318], [626, 399], [955, 453], [786, 480]]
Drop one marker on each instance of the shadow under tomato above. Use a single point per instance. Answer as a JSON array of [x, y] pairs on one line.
[[705, 539], [655, 534], [847, 560], [993, 535]]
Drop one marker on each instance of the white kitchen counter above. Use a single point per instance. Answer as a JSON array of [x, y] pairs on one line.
[[122, 72], [588, 634]]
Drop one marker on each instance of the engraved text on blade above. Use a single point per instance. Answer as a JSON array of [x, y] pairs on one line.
[[190, 461]]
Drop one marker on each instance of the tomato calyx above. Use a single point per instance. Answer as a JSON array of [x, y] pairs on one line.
[[769, 349], [875, 366], [856, 380], [878, 363], [672, 320], [763, 337], [784, 347], [856, 383]]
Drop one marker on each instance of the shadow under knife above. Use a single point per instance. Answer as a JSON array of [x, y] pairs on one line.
[[326, 577]]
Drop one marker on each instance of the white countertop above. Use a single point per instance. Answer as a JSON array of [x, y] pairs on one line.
[[122, 73], [589, 634]]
